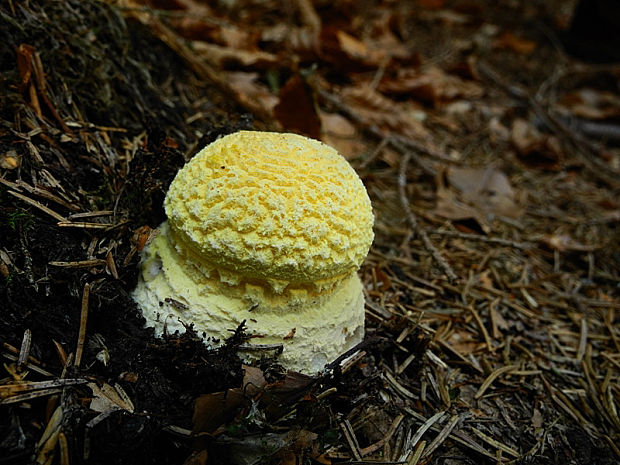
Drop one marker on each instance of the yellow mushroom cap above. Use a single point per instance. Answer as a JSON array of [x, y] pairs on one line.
[[273, 207]]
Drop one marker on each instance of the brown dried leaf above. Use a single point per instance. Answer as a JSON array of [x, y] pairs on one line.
[[515, 43], [211, 411], [488, 189], [377, 110], [348, 53], [465, 342], [592, 104], [226, 57], [280, 393], [357, 50], [533, 147], [450, 207], [337, 125], [342, 135], [565, 243], [106, 398], [297, 109], [302, 40], [431, 85], [247, 84], [253, 380]]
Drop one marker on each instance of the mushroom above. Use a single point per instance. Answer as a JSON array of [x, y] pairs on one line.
[[266, 228]]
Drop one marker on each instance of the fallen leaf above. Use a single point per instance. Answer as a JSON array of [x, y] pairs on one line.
[[248, 85], [378, 110], [534, 148], [353, 47], [446, 16], [337, 125], [214, 410], [464, 342], [565, 243], [450, 207], [338, 132], [297, 109], [487, 189], [430, 85], [253, 380], [228, 57], [591, 104], [347, 52], [302, 40], [520, 45], [107, 398]]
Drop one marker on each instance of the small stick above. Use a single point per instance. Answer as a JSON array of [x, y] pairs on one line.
[[83, 225], [413, 221], [80, 263], [36, 204], [83, 319], [90, 214], [489, 240]]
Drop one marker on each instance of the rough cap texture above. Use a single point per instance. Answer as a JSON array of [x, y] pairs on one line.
[[271, 206]]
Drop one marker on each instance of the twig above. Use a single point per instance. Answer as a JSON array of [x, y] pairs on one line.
[[83, 319], [413, 221], [80, 263], [83, 225], [375, 153], [36, 204], [19, 185], [488, 240]]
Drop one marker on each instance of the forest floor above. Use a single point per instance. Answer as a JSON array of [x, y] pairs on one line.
[[491, 158]]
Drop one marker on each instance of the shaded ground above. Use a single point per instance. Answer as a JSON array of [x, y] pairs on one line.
[[492, 285]]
